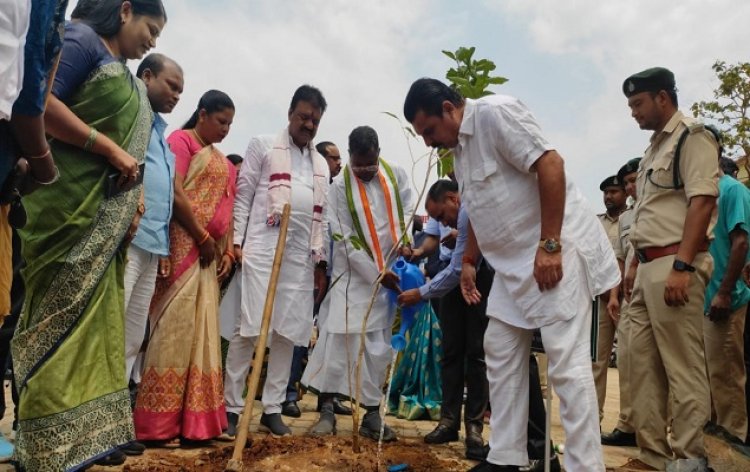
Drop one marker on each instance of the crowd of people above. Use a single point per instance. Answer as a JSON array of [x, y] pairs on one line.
[[116, 240]]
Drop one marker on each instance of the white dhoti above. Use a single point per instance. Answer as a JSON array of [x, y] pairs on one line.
[[332, 366]]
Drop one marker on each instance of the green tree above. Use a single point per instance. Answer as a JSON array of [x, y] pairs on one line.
[[471, 78], [730, 108]]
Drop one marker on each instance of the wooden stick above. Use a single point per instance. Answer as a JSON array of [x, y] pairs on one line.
[[235, 463]]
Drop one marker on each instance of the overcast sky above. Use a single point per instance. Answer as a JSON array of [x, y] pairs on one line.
[[565, 59]]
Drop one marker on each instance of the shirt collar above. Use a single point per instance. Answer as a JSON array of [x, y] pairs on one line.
[[669, 127], [159, 124], [467, 122]]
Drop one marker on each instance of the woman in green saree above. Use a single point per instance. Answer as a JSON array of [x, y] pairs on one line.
[[68, 349]]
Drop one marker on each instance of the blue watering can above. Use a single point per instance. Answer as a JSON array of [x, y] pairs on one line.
[[410, 277]]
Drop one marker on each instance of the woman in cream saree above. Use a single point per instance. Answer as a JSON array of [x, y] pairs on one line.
[[181, 392]]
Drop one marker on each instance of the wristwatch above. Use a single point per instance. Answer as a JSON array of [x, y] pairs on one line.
[[550, 245], [682, 266]]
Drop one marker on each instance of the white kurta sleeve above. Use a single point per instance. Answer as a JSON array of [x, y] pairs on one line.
[[517, 135], [341, 224], [247, 182]]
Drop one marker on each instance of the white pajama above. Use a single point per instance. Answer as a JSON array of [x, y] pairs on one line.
[[567, 345], [140, 283], [239, 360]]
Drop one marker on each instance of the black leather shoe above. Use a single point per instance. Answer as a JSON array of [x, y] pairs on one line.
[[474, 438], [114, 458], [488, 467], [273, 424], [133, 448], [340, 409], [441, 434], [619, 438], [537, 465], [477, 453], [291, 409]]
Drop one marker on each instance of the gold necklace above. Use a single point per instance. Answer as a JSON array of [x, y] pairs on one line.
[[198, 137]]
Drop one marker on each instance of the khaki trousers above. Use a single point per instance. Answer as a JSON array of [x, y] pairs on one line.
[[625, 420], [726, 371], [605, 342], [669, 346]]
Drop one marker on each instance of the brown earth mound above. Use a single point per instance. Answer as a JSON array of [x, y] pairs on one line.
[[300, 454]]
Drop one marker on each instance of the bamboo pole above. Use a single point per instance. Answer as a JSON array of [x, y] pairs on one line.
[[235, 463]]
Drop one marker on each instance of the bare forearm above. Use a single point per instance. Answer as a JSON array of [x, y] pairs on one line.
[[29, 134], [696, 224], [64, 125], [550, 170], [429, 245], [736, 261], [471, 250]]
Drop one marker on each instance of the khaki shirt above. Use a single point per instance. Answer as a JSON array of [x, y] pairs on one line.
[[610, 227], [623, 248], [660, 211]]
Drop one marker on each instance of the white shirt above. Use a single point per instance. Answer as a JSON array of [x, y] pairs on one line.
[[499, 141], [14, 22]]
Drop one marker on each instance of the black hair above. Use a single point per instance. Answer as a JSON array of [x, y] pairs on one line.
[[363, 140], [104, 17], [211, 101], [728, 166], [308, 93], [83, 9], [428, 96], [322, 147], [155, 63], [440, 188], [234, 158]]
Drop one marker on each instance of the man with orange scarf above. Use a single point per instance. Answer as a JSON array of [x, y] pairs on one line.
[[368, 209]]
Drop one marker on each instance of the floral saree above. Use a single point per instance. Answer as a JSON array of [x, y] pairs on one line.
[[181, 392], [68, 350]]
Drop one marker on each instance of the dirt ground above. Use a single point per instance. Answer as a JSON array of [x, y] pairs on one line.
[[299, 453], [296, 454]]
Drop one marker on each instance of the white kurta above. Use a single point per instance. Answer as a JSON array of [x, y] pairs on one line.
[[332, 364], [293, 306], [14, 23], [361, 271], [499, 141]]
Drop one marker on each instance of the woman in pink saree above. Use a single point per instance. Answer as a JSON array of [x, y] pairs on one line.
[[181, 394]]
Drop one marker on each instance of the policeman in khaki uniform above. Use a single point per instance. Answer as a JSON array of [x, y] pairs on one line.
[[617, 308], [666, 282], [615, 202]]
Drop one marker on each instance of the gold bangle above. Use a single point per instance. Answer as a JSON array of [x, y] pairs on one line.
[[89, 144]]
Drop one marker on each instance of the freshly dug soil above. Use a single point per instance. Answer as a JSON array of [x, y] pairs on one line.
[[299, 454]]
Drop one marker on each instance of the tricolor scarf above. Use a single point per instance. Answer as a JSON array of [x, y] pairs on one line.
[[359, 208], [280, 190]]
